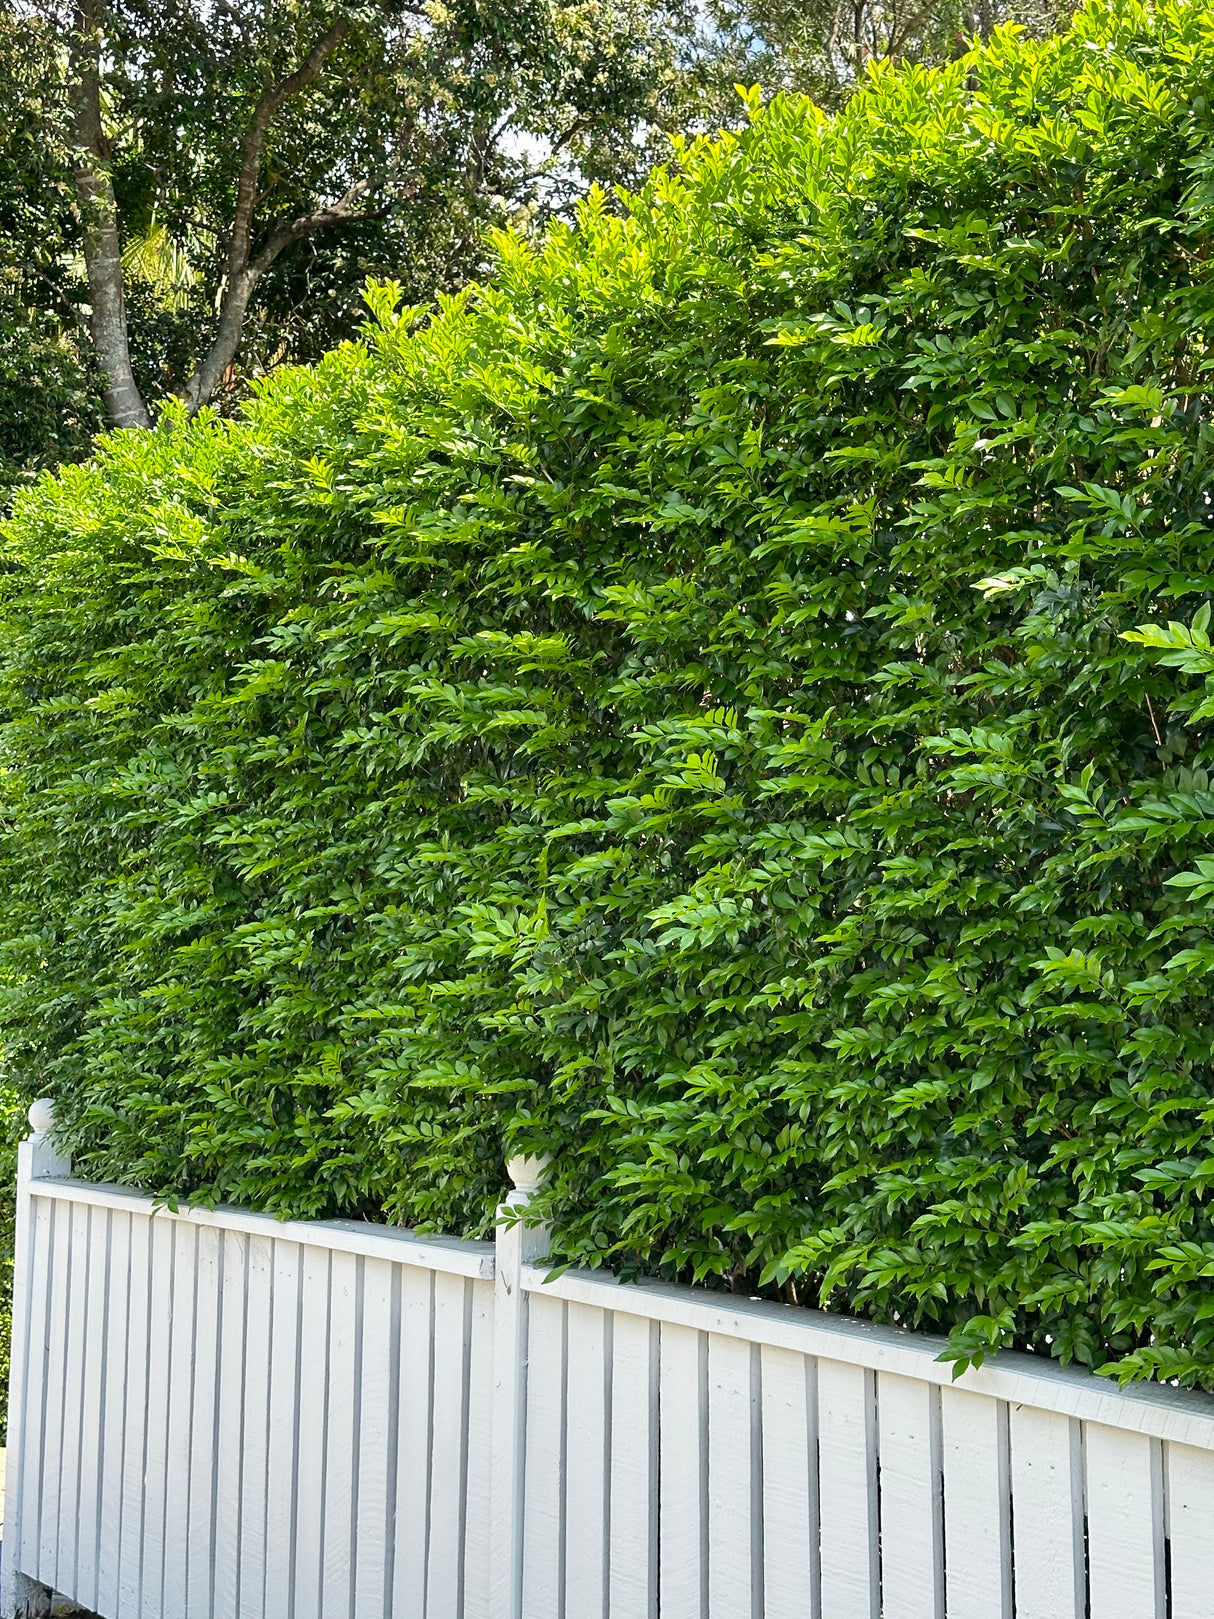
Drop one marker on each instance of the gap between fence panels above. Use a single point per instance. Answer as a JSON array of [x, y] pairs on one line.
[[220, 1416]]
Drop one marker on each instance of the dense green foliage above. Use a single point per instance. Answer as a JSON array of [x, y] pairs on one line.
[[578, 722]]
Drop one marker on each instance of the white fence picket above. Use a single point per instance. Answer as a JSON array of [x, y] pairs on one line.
[[1189, 1485], [202, 1495], [977, 1523], [283, 1404], [734, 1543], [911, 1519], [478, 1569], [256, 1475], [340, 1436], [377, 1417], [847, 1484], [414, 1438], [633, 1550], [792, 1578], [43, 1298], [682, 1473], [220, 1417], [449, 1448], [311, 1420], [1047, 1514], [129, 1545], [235, 1297], [1124, 1490], [544, 1497], [155, 1494], [92, 1407], [112, 1398], [587, 1461]]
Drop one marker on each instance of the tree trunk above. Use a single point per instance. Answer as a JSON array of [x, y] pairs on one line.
[[102, 248]]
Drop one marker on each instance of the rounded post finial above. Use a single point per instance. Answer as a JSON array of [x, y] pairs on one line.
[[528, 1174], [42, 1115]]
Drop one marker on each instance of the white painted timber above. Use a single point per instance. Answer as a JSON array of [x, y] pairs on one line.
[[1189, 1487], [735, 1547], [633, 1527], [1124, 1491], [449, 1447], [792, 1573], [544, 1479], [414, 1431], [587, 1461], [1047, 1514], [379, 1372], [977, 1520], [452, 1254], [236, 1293], [911, 1516], [847, 1485], [1166, 1413], [217, 1415], [683, 1473]]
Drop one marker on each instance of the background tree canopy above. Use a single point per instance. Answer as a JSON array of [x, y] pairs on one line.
[[197, 192], [672, 709]]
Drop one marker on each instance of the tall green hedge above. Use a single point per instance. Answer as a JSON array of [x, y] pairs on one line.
[[671, 709]]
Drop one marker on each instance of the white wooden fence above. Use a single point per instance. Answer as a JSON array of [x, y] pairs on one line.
[[215, 1415]]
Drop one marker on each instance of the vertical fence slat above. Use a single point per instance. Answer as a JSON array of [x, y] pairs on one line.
[[257, 1476], [1125, 1523], [448, 1456], [911, 1524], [977, 1525], [1189, 1483], [135, 1432], [155, 1460], [682, 1473], [44, 1555], [313, 1412], [1047, 1515], [588, 1462], [634, 1469], [24, 1536], [66, 1564], [341, 1437], [792, 1584], [283, 1434], [83, 1587], [734, 1538], [377, 1432], [229, 1420], [477, 1569], [544, 1496], [219, 1425], [200, 1519], [413, 1443], [181, 1415], [119, 1347], [847, 1486]]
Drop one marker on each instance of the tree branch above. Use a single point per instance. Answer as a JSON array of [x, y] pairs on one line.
[[243, 270], [102, 246]]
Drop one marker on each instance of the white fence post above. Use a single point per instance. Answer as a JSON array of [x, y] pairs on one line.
[[38, 1158], [518, 1244]]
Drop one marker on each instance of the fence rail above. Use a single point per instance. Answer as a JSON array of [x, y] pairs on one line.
[[217, 1415]]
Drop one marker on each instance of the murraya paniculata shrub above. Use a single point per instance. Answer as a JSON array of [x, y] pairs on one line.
[[671, 708]]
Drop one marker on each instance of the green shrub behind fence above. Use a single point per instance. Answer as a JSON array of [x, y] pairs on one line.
[[672, 710]]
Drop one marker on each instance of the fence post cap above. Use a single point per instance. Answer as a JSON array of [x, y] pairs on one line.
[[528, 1175], [42, 1115]]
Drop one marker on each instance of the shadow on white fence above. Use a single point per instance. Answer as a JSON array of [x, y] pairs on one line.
[[216, 1415]]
